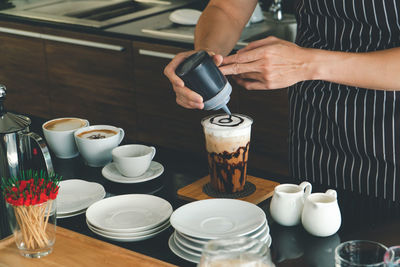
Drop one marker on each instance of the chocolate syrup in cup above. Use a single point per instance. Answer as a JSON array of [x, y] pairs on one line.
[[227, 143]]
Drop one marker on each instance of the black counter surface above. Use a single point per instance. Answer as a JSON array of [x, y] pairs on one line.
[[362, 217]]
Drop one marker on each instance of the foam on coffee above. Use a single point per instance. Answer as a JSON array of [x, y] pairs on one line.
[[66, 124], [97, 134], [226, 132]]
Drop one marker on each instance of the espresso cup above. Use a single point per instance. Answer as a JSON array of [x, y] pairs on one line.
[[59, 135], [95, 143], [133, 160]]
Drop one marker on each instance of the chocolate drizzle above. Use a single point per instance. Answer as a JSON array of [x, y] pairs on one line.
[[228, 170], [225, 121]]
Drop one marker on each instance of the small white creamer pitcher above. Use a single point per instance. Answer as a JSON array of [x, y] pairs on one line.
[[321, 214], [287, 203]]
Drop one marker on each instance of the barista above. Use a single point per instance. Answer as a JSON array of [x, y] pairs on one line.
[[343, 79]]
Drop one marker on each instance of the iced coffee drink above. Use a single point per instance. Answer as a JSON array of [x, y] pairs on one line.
[[227, 142]]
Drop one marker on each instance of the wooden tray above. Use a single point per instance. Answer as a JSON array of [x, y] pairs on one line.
[[194, 191], [74, 249]]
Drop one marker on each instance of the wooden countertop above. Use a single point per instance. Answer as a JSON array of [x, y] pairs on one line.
[[74, 249]]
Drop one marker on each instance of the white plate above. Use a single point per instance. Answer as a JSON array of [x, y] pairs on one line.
[[75, 195], [187, 243], [198, 246], [185, 16], [180, 253], [131, 238], [218, 218], [67, 215], [194, 250], [132, 234], [186, 249], [111, 173], [200, 241], [129, 213]]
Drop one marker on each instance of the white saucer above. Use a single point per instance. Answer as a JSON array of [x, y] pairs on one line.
[[76, 195], [111, 173], [185, 16], [72, 214], [129, 238], [164, 225], [128, 213], [186, 249], [201, 241], [180, 253], [218, 218]]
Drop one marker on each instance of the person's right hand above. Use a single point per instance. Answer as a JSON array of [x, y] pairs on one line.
[[184, 96]]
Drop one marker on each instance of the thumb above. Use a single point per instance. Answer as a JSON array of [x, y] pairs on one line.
[[218, 59]]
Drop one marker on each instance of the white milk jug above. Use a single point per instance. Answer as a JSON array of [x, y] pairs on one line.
[[321, 214], [287, 203]]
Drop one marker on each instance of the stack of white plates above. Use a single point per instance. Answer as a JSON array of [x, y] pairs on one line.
[[75, 196], [128, 218], [199, 222]]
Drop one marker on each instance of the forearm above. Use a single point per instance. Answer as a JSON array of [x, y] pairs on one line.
[[221, 24], [378, 70]]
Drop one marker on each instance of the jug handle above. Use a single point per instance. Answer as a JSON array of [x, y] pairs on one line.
[[331, 192], [45, 152], [307, 186]]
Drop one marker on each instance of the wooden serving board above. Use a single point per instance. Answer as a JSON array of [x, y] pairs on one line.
[[74, 249], [264, 190]]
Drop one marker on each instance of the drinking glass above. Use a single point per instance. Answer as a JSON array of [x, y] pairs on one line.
[[392, 257], [34, 228], [360, 253], [236, 252]]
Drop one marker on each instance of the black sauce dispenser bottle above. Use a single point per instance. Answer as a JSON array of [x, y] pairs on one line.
[[201, 75]]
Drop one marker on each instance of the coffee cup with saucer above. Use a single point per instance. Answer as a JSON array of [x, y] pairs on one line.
[[132, 164], [133, 160]]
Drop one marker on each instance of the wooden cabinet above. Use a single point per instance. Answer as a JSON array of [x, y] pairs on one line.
[[91, 77], [160, 120], [23, 70]]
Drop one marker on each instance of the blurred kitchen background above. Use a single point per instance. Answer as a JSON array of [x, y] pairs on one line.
[[103, 60]]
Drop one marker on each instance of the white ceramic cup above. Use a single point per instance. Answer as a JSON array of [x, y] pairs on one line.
[[133, 160], [287, 203], [61, 140], [97, 152]]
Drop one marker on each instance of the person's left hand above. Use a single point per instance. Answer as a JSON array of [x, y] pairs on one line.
[[270, 63]]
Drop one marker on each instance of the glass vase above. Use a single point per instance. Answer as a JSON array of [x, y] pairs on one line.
[[34, 228]]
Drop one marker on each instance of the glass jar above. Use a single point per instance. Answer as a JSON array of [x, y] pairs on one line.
[[236, 252], [34, 227]]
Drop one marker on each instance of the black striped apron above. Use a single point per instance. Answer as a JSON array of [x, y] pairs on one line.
[[342, 136]]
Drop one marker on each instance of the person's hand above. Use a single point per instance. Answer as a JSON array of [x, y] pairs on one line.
[[270, 63], [184, 96]]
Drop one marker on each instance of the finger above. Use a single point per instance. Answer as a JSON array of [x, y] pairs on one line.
[[169, 70], [189, 104], [266, 41], [239, 68], [218, 59], [188, 95], [182, 103], [247, 56]]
